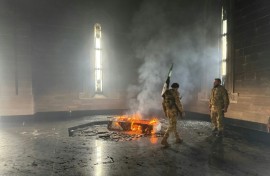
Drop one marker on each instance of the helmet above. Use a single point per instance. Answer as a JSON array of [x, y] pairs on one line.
[[175, 85]]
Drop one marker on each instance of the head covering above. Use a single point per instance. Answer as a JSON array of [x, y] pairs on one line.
[[175, 85]]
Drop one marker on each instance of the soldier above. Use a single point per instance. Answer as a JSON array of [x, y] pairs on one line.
[[218, 105], [172, 107]]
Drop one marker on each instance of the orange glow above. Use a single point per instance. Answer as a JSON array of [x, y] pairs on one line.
[[137, 123], [153, 139]]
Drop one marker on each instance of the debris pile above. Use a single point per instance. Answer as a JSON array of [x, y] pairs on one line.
[[101, 132]]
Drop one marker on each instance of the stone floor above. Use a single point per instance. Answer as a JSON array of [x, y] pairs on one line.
[[44, 148]]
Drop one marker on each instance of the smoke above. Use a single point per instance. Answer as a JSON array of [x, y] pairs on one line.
[[178, 32]]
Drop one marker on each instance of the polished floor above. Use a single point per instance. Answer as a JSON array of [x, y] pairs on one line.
[[44, 148]]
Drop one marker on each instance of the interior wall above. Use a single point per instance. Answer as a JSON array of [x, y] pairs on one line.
[[15, 64], [250, 60], [46, 56], [248, 63]]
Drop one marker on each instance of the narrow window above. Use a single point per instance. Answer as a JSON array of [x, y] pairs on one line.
[[98, 59], [224, 45]]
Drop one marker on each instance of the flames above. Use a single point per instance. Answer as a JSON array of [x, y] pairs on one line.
[[135, 124]]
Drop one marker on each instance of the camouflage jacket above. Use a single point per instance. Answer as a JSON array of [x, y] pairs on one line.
[[219, 98], [171, 100]]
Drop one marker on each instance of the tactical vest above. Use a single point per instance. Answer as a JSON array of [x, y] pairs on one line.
[[219, 97], [169, 99]]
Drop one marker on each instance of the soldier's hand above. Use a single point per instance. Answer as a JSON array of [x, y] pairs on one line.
[[181, 115], [225, 109]]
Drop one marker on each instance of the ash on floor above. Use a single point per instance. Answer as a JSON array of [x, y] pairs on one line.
[[35, 148]]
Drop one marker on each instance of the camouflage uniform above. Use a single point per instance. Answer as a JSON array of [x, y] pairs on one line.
[[219, 100], [171, 107]]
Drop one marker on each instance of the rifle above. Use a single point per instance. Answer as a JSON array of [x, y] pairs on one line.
[[167, 82]]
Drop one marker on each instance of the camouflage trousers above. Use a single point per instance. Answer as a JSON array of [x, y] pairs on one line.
[[217, 116], [172, 115]]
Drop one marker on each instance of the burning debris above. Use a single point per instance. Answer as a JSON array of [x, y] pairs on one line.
[[122, 128], [101, 132], [134, 123]]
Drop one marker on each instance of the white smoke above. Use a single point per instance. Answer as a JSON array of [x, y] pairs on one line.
[[165, 33]]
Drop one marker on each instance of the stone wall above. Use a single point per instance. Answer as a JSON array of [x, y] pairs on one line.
[[248, 80], [16, 96]]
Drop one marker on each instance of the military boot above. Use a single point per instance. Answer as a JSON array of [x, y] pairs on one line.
[[178, 140], [214, 131], [164, 142]]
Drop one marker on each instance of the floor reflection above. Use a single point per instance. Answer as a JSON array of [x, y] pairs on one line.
[[216, 156], [99, 156]]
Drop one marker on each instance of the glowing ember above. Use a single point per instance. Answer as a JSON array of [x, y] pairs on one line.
[[134, 123]]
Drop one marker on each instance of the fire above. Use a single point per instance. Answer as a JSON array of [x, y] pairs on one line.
[[135, 124]]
